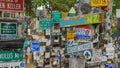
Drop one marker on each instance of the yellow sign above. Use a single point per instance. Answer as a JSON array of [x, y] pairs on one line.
[[99, 3], [70, 35]]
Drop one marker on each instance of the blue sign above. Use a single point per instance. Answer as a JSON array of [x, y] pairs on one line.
[[71, 22], [35, 46], [109, 65]]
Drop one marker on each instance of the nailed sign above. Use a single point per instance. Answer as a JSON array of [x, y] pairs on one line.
[[12, 5]]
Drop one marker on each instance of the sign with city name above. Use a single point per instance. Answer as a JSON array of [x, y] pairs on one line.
[[12, 5], [99, 3], [8, 28], [18, 64], [10, 55], [87, 19]]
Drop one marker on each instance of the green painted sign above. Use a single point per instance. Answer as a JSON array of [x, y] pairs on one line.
[[8, 28], [9, 55], [56, 16], [45, 23]]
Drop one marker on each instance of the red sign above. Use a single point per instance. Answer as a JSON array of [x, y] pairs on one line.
[[12, 5]]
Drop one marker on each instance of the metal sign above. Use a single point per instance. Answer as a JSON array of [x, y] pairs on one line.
[[70, 34], [99, 3], [83, 32], [12, 5], [8, 28], [10, 55], [18, 64], [56, 16], [35, 46], [45, 23]]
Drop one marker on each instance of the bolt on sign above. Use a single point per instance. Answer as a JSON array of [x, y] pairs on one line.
[[70, 34], [10, 55], [8, 28], [12, 5], [99, 3]]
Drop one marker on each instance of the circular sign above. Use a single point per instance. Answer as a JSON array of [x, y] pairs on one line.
[[22, 64], [87, 54]]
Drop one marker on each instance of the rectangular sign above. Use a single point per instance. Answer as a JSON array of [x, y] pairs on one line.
[[87, 19], [45, 23], [99, 3], [12, 5], [35, 46], [56, 16], [10, 55], [118, 13], [8, 28], [83, 32], [97, 55], [18, 64], [70, 35]]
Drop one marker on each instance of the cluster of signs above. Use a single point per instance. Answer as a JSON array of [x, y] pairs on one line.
[[71, 21]]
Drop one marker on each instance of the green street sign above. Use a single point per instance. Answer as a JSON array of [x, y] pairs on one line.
[[56, 15], [9, 55], [45, 23], [8, 28]]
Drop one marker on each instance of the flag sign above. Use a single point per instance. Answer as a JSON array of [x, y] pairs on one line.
[[35, 46], [83, 32]]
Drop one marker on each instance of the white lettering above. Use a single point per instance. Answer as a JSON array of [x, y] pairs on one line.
[[13, 6]]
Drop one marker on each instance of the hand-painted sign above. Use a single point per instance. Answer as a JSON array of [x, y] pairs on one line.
[[8, 28], [87, 19], [19, 64], [70, 35], [56, 16], [83, 32], [99, 3], [45, 23], [12, 5], [10, 55], [35, 46]]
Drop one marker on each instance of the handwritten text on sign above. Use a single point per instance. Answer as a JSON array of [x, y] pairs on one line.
[[83, 32], [12, 5]]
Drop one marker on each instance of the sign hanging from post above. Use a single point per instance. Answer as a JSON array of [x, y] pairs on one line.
[[12, 5]]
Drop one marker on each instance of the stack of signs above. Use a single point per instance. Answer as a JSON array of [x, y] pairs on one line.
[[83, 32], [35, 46]]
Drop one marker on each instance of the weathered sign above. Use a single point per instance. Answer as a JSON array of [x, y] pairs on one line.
[[87, 19]]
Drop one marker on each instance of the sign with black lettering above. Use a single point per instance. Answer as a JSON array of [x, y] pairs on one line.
[[19, 64]]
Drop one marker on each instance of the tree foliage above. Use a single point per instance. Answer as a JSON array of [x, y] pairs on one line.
[[60, 5]]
